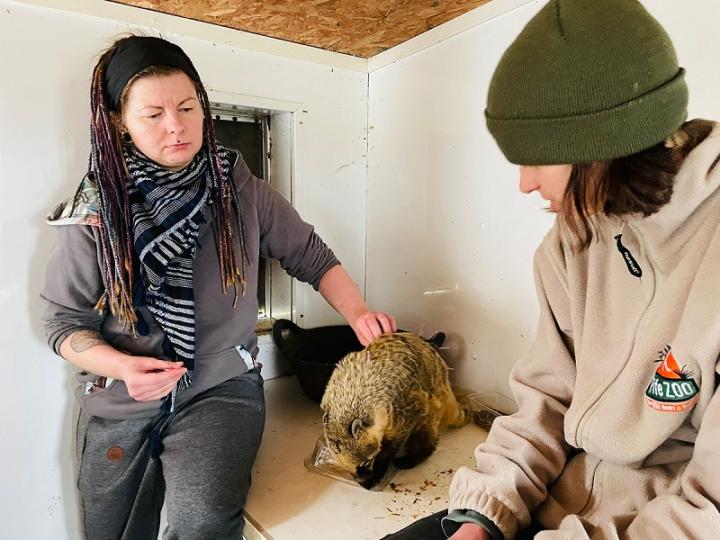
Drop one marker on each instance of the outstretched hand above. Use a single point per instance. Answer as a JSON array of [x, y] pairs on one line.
[[370, 325]]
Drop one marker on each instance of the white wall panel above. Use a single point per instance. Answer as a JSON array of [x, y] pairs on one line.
[[450, 239]]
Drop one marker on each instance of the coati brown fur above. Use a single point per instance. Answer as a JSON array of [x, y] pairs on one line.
[[394, 395]]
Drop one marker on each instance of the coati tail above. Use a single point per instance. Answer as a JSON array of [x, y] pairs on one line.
[[458, 410]]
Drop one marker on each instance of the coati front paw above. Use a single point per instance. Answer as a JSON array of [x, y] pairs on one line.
[[368, 478], [370, 483]]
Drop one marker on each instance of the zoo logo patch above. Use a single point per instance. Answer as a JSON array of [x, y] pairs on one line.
[[672, 389]]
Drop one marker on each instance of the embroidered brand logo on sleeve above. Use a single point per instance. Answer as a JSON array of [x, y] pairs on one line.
[[671, 389]]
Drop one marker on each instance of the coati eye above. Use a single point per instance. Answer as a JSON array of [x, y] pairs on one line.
[[371, 449]]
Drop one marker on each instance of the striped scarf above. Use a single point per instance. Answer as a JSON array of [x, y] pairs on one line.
[[166, 208]]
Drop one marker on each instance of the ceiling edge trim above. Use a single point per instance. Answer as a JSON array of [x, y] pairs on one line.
[[204, 31]]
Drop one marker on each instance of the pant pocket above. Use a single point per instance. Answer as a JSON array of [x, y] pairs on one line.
[[108, 448]]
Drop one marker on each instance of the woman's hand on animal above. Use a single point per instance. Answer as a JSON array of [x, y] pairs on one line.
[[369, 325], [148, 378], [338, 288], [470, 531]]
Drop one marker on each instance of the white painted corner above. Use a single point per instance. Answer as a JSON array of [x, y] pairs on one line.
[[445, 31]]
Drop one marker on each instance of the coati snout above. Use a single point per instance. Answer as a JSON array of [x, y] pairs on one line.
[[356, 442], [387, 404]]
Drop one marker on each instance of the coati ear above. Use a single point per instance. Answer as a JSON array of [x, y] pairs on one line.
[[326, 419], [356, 427], [437, 339]]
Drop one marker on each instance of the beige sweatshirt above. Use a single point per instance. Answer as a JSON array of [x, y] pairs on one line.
[[618, 429]]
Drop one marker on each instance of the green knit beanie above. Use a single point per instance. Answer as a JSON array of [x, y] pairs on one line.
[[586, 80]]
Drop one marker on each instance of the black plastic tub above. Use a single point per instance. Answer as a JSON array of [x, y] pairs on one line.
[[313, 353]]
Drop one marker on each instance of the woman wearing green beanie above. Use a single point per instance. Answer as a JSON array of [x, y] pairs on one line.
[[618, 429]]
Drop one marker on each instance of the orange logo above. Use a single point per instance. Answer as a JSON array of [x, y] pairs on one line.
[[672, 389]]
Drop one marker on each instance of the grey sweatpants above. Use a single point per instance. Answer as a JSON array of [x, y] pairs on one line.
[[202, 473]]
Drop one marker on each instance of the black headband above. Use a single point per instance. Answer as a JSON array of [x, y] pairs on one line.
[[136, 53]]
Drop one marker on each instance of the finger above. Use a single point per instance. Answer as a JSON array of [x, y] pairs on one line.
[[147, 363], [373, 326], [158, 393], [155, 379], [370, 327], [143, 392], [362, 333], [385, 322]]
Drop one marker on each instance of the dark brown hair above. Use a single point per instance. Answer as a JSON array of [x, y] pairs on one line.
[[641, 183]]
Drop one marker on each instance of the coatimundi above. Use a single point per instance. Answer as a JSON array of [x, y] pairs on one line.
[[392, 396]]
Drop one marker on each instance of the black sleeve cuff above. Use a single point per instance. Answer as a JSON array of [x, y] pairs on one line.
[[451, 523]]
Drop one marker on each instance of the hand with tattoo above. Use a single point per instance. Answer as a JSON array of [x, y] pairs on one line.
[[145, 377]]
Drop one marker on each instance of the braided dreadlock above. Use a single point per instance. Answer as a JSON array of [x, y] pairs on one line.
[[108, 170]]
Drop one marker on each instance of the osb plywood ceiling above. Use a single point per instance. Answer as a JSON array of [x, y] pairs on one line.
[[357, 27]]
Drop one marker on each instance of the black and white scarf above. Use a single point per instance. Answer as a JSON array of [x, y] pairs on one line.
[[166, 208]]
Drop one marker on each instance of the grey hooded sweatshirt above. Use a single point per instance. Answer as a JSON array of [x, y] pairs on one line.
[[74, 284]]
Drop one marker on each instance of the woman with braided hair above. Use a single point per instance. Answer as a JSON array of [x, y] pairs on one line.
[[149, 293]]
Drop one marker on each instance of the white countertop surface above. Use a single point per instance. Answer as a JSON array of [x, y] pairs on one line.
[[287, 502]]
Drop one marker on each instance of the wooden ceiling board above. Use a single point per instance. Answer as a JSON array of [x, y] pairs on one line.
[[355, 27]]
